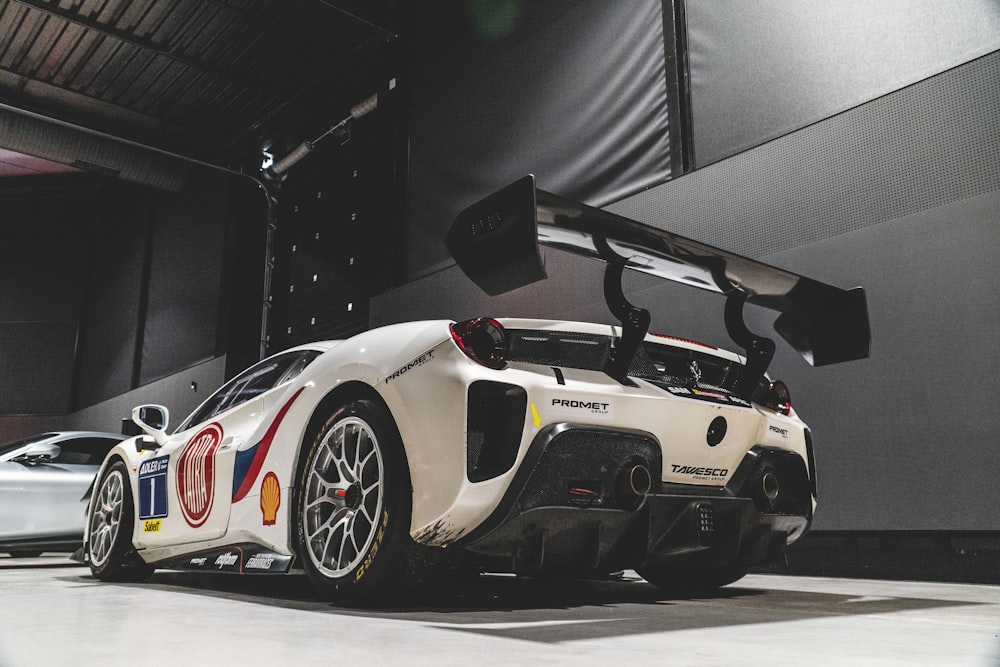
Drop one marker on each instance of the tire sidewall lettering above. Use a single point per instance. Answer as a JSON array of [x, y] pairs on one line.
[[367, 562]]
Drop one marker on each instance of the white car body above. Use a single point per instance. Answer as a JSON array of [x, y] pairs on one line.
[[423, 378], [530, 446]]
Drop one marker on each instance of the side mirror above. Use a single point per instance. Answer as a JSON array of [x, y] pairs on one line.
[[153, 420], [43, 452]]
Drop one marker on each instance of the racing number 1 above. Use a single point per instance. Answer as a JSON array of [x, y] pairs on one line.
[[153, 496]]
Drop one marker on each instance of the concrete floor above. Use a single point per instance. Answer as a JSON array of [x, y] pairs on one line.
[[52, 612]]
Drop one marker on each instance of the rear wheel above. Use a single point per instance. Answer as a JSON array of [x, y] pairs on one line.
[[111, 519], [353, 511], [687, 580]]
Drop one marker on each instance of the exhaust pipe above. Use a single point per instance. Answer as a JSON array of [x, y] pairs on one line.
[[769, 485], [634, 480]]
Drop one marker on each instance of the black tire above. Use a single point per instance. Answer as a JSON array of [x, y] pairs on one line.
[[686, 580], [353, 508], [24, 554], [112, 517]]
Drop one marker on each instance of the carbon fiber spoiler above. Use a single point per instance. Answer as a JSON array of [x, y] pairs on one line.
[[496, 241]]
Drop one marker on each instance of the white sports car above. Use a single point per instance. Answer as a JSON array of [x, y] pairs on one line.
[[380, 462]]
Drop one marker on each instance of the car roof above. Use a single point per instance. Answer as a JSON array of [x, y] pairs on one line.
[[55, 437], [62, 435]]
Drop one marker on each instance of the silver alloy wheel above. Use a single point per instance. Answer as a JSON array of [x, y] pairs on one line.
[[105, 517], [343, 497]]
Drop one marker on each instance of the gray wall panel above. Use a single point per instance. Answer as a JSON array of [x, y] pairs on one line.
[[183, 311], [37, 366], [906, 440], [175, 391], [15, 427], [106, 354], [918, 148], [764, 68], [41, 278]]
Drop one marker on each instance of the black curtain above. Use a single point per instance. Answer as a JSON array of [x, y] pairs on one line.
[[577, 92]]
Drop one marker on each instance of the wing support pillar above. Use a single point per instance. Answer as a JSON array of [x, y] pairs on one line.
[[634, 320], [759, 350]]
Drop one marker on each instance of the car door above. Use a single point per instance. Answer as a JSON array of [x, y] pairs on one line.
[[39, 501], [185, 487], [72, 472], [42, 497]]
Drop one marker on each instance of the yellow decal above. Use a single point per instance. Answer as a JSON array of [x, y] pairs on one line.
[[151, 526], [534, 413], [374, 550]]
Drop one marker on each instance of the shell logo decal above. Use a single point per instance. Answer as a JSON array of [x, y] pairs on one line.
[[270, 498], [196, 475]]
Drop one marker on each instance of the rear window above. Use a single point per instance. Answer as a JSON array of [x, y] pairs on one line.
[[559, 348], [663, 365]]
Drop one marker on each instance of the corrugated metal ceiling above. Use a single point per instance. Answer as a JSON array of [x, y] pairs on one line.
[[215, 80]]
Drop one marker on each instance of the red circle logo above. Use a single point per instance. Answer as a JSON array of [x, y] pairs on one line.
[[196, 475]]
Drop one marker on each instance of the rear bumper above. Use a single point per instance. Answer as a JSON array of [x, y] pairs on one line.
[[567, 511]]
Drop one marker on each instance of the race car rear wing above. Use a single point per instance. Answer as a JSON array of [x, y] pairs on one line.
[[496, 243]]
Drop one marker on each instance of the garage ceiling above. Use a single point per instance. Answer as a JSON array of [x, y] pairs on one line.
[[212, 80], [17, 164]]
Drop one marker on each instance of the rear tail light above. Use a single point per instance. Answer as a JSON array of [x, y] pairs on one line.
[[774, 396], [483, 340]]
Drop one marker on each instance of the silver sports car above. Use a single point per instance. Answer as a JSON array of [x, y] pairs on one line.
[[42, 480]]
